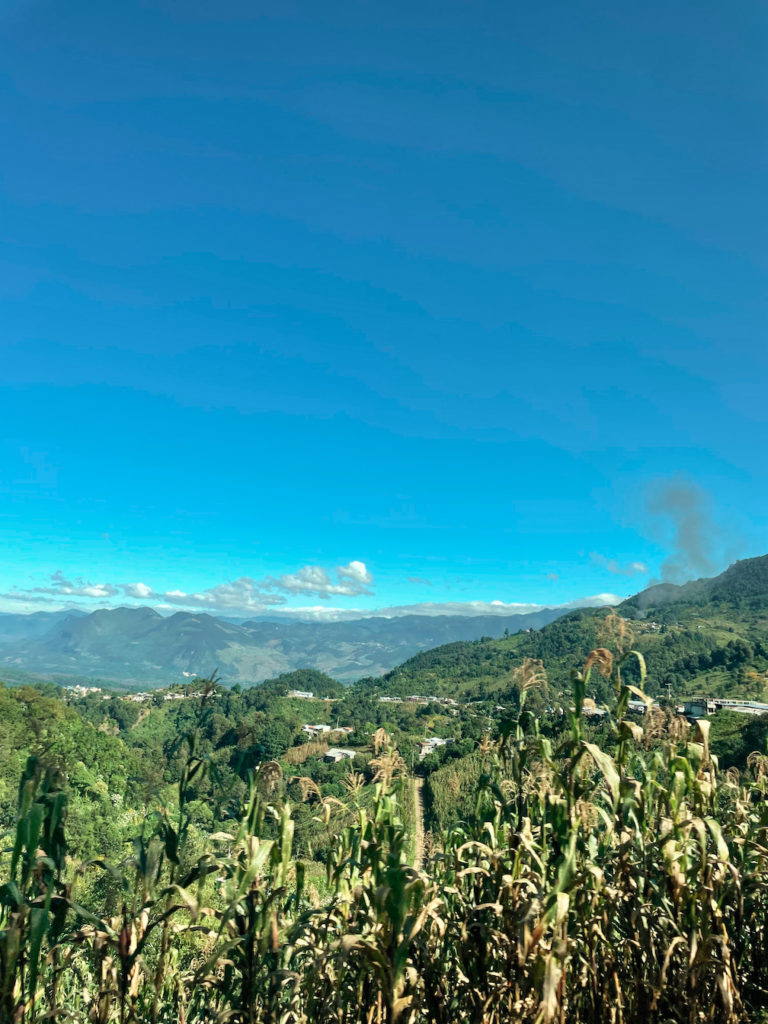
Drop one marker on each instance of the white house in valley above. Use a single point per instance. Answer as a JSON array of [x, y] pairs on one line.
[[336, 754]]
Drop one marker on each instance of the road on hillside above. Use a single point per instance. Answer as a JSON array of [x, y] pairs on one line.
[[418, 814]]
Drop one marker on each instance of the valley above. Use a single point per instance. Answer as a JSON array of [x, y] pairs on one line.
[[138, 647], [422, 789]]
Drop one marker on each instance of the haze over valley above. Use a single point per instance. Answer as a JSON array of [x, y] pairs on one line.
[[138, 646]]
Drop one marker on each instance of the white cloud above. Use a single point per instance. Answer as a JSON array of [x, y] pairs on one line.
[[245, 597], [614, 566], [322, 613], [494, 607], [242, 596], [357, 572], [351, 581], [60, 586]]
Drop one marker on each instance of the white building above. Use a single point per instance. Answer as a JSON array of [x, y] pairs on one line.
[[336, 754], [430, 745]]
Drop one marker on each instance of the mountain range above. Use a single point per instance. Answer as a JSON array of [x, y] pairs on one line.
[[708, 633], [141, 647]]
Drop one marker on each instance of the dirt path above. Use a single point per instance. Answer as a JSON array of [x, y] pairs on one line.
[[418, 838]]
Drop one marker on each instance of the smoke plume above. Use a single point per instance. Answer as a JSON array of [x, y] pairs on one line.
[[682, 509]]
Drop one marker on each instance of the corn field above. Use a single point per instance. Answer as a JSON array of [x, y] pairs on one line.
[[620, 884]]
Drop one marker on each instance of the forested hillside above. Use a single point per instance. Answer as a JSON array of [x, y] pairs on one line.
[[713, 639], [308, 851], [195, 857], [139, 648], [120, 753]]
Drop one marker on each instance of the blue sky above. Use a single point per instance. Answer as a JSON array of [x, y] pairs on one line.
[[371, 306]]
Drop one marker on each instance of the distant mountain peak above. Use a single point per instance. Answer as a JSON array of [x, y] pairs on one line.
[[141, 645]]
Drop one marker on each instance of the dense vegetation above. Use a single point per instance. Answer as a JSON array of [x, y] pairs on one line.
[[582, 881], [706, 637], [120, 755], [193, 855]]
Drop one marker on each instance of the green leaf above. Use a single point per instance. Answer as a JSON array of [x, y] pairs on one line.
[[717, 834], [38, 924]]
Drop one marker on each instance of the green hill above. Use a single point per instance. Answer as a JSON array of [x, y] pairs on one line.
[[210, 792], [709, 635]]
